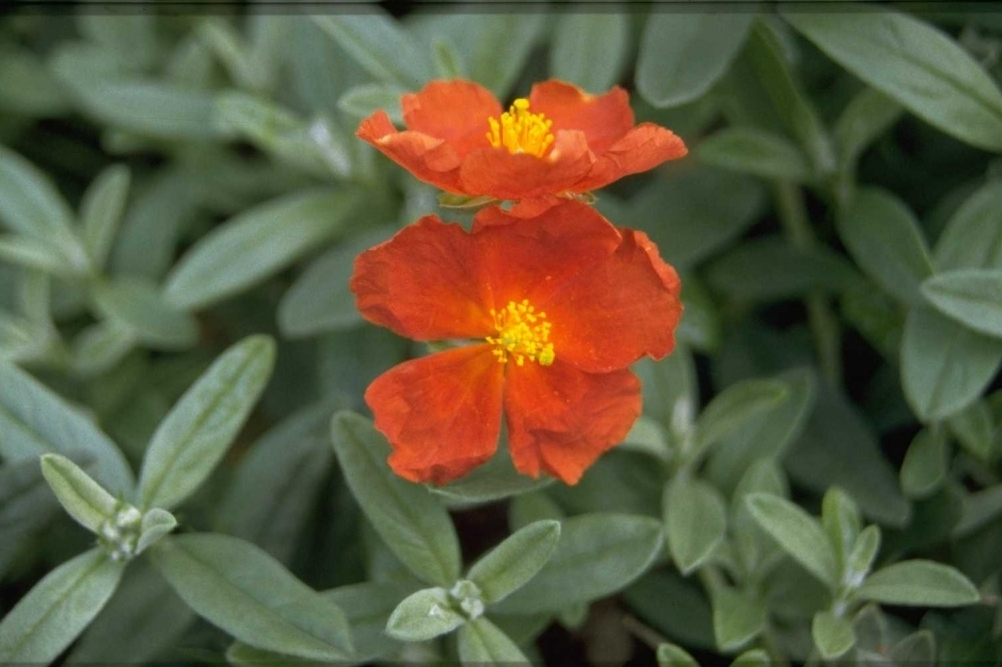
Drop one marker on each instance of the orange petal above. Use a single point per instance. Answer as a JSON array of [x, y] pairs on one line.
[[528, 258], [561, 419], [428, 158], [644, 147], [496, 172], [424, 283], [603, 118], [626, 307], [441, 413], [456, 111]]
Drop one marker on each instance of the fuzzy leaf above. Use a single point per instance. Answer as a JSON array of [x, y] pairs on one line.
[[509, 565]]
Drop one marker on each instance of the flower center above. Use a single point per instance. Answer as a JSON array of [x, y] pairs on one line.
[[522, 334], [521, 131]]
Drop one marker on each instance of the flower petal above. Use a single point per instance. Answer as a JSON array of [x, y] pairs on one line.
[[425, 283], [626, 307], [428, 158], [496, 172], [644, 147], [527, 258], [456, 111], [441, 413], [561, 419], [603, 118]]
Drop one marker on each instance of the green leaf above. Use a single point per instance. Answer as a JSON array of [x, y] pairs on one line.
[[480, 642], [972, 238], [101, 211], [589, 50], [867, 116], [424, 615], [598, 553], [701, 323], [36, 421], [798, 533], [682, 55], [100, 346], [861, 558], [407, 516], [58, 608], [156, 524], [82, 498], [755, 657], [26, 85], [695, 213], [833, 635], [274, 490], [193, 437], [364, 100], [944, 365], [38, 254], [139, 305], [756, 152], [917, 648], [925, 464], [247, 593], [884, 238], [671, 655], [26, 505], [509, 565], [734, 407], [529, 508], [840, 519], [781, 270], [915, 64], [257, 244], [320, 299], [688, 618], [979, 509], [695, 520], [29, 202], [737, 619], [379, 46], [974, 429], [146, 107], [919, 583], [973, 297], [448, 63], [492, 481]]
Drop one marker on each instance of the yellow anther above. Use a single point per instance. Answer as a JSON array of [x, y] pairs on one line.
[[522, 334], [521, 131]]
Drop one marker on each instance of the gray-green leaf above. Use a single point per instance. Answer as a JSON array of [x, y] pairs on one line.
[[58, 608], [972, 238], [191, 440], [920, 583], [737, 619], [833, 635], [250, 595], [138, 304], [480, 642], [156, 523], [83, 499], [695, 519], [407, 516], [509, 565], [757, 152], [914, 63], [101, 211], [800, 534], [589, 50], [925, 464], [973, 297], [424, 615]]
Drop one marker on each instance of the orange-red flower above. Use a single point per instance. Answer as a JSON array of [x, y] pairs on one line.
[[554, 308], [559, 141]]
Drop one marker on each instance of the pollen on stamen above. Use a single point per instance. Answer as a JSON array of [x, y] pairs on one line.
[[523, 334], [521, 131]]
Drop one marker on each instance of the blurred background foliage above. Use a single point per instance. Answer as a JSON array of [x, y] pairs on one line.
[[816, 473]]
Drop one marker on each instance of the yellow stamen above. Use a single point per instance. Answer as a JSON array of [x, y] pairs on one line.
[[522, 334], [521, 131]]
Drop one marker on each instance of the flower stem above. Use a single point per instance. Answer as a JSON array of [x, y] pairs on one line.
[[823, 322]]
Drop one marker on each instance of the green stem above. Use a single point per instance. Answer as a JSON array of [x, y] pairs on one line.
[[823, 322]]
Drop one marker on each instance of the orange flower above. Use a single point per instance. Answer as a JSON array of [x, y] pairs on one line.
[[559, 141], [554, 307]]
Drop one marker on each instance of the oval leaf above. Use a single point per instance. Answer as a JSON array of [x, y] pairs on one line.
[[972, 238], [200, 427], [255, 245], [695, 521], [737, 619], [735, 406], [925, 465], [424, 615], [589, 50], [376, 42], [598, 554], [509, 565], [480, 642], [800, 535], [137, 303], [82, 498], [58, 608], [101, 211], [755, 152], [833, 635], [944, 365], [973, 297], [884, 238], [407, 516], [914, 63], [683, 55], [247, 593], [920, 583]]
